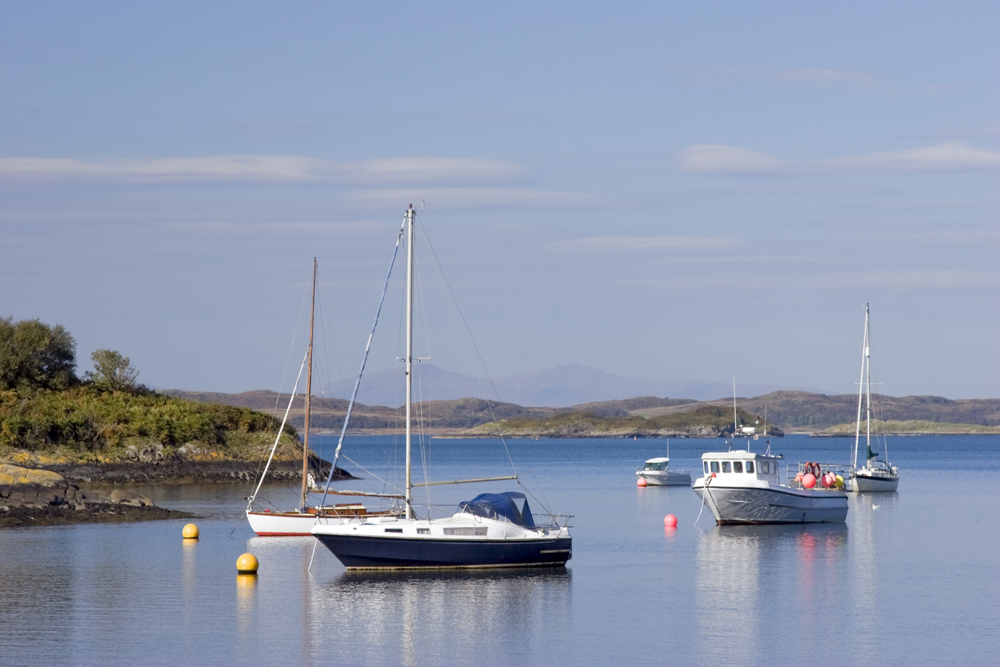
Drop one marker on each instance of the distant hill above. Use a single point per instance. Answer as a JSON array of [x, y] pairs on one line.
[[556, 387], [789, 411]]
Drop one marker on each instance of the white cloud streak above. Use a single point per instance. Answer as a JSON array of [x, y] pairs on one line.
[[263, 169], [718, 158], [466, 197], [643, 244], [948, 156]]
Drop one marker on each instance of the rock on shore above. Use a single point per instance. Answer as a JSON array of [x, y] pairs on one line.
[[37, 497]]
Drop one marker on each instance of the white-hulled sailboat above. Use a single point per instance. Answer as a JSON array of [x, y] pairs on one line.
[[491, 530], [268, 522], [875, 474]]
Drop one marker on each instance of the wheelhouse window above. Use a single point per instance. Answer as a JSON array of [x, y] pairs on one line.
[[727, 466], [737, 466], [749, 466], [706, 465], [765, 467], [715, 466]]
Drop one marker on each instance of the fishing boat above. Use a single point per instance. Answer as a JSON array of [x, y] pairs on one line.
[[875, 475], [273, 522], [492, 530], [744, 487]]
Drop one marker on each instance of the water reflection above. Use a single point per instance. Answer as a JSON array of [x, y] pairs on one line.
[[739, 575], [867, 511], [466, 617]]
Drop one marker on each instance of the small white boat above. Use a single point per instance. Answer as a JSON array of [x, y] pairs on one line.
[[657, 472], [876, 475]]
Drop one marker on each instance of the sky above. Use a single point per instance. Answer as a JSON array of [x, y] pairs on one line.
[[660, 190]]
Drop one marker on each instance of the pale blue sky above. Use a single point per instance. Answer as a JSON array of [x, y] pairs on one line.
[[675, 190]]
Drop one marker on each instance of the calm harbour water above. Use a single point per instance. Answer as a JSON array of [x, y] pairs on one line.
[[912, 578]]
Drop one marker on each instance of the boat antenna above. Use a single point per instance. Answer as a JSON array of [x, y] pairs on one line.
[[734, 406]]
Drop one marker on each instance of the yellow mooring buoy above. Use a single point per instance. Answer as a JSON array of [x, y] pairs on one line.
[[246, 564], [190, 532]]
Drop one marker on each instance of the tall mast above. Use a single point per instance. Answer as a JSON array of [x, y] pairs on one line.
[[409, 354], [309, 375], [861, 390], [868, 388]]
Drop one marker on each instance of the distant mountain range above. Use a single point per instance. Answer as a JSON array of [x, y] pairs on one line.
[[556, 386]]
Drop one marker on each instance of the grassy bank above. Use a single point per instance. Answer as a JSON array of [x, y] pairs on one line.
[[89, 424]]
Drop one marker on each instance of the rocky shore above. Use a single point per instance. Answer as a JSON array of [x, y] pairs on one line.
[[38, 497], [39, 492]]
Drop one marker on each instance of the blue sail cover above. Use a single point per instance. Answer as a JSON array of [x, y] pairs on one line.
[[500, 506]]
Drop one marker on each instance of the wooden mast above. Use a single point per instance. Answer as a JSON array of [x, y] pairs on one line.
[[305, 437]]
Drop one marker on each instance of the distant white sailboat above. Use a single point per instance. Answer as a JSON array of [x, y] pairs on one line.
[[876, 475]]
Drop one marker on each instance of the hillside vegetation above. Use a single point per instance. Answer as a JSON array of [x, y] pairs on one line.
[[106, 416]]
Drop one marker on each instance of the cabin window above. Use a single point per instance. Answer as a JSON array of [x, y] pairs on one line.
[[465, 531], [765, 467], [393, 530], [749, 466], [738, 466], [706, 466], [423, 531], [715, 466], [727, 466]]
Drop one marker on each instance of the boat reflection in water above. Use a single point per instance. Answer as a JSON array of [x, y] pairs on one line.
[[394, 617], [748, 577]]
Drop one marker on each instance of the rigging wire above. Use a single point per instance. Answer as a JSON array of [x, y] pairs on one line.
[[467, 339]]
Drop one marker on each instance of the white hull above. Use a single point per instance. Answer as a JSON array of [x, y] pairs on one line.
[[281, 524], [879, 483], [769, 503], [657, 478]]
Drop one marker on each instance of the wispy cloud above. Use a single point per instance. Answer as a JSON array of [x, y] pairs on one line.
[[465, 197], [721, 158], [948, 156], [827, 77], [806, 76], [643, 244], [264, 168]]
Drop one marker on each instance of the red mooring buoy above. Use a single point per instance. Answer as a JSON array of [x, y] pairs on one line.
[[670, 521]]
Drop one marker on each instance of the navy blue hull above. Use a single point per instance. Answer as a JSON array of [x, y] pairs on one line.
[[356, 551]]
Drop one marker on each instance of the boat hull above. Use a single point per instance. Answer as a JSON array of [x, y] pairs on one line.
[[669, 479], [281, 524], [370, 552], [755, 505], [874, 484]]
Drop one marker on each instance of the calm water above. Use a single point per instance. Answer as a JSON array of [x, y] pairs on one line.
[[912, 578]]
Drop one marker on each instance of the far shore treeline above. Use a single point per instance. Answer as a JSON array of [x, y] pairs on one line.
[[105, 415]]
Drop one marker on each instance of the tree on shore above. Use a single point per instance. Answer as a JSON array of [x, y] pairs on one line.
[[112, 371], [34, 355]]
